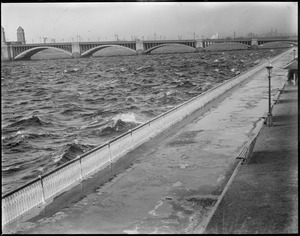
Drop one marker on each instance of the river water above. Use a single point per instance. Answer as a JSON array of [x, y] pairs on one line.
[[55, 110]]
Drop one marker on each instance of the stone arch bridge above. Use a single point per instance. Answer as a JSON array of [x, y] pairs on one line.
[[86, 49]]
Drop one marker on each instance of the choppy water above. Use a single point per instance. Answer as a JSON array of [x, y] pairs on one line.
[[54, 110]]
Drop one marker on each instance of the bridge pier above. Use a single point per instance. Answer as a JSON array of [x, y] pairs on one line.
[[139, 45], [6, 52], [254, 44], [199, 45], [76, 50]]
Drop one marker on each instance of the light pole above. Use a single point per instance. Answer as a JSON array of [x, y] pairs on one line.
[[294, 53], [269, 118]]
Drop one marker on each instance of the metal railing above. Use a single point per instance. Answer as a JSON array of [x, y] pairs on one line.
[[36, 192]]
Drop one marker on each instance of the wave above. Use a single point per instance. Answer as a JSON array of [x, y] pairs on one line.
[[11, 169], [123, 122], [98, 123], [145, 68], [71, 109], [186, 84], [72, 70], [149, 113], [130, 117], [18, 142], [18, 145], [41, 92], [71, 151], [33, 121], [35, 135], [94, 100], [119, 126]]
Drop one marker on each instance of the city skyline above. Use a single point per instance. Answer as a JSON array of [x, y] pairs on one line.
[[147, 20]]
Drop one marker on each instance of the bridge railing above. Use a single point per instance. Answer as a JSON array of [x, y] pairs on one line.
[[21, 200]]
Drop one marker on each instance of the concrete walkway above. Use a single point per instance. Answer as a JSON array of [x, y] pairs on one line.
[[175, 178], [263, 198]]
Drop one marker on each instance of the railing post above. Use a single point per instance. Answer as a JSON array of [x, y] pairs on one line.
[[165, 122], [131, 139], [150, 131], [81, 175], [43, 192], [108, 143]]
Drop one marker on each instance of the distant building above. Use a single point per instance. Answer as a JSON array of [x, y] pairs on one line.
[[251, 35], [21, 35], [216, 36], [3, 40], [273, 33]]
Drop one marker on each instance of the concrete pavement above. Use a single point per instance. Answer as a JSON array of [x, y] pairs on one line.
[[174, 180], [263, 198]]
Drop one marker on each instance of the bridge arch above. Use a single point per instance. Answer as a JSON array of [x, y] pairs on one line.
[[290, 43], [166, 44], [91, 51], [30, 52], [227, 46]]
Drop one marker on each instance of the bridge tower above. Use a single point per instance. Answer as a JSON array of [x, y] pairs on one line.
[[6, 50], [3, 40], [21, 35]]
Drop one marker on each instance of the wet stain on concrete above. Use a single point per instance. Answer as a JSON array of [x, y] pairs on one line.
[[189, 210], [203, 201], [176, 213], [185, 138]]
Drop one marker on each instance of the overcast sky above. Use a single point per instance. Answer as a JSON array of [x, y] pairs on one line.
[[165, 19]]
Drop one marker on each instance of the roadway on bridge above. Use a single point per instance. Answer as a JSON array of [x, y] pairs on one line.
[[177, 177]]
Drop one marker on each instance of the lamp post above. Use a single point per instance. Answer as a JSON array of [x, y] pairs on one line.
[[269, 118], [294, 53]]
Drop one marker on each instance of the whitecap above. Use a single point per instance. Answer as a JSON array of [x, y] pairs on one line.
[[152, 212], [129, 117], [177, 184], [134, 231]]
